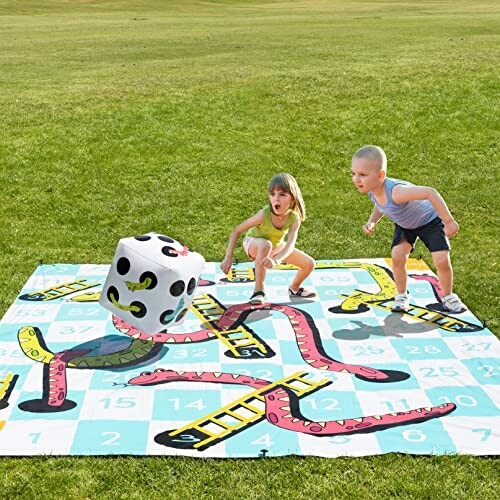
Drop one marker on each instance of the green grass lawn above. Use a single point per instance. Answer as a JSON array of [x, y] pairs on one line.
[[120, 117]]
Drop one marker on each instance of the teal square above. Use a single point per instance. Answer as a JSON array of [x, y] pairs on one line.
[[409, 383], [310, 306], [471, 401], [81, 312], [362, 277], [237, 293], [263, 436], [190, 404], [290, 354], [484, 370], [422, 290], [425, 349], [421, 438], [69, 270], [110, 437], [27, 396]]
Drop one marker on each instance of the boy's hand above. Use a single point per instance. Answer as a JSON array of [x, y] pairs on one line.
[[369, 228], [226, 265], [450, 228]]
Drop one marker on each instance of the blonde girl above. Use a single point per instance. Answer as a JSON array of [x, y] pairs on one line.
[[264, 241]]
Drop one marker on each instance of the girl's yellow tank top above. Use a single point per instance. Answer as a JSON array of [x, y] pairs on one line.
[[268, 231]]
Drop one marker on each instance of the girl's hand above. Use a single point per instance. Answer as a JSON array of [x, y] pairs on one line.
[[267, 262], [369, 228], [226, 265]]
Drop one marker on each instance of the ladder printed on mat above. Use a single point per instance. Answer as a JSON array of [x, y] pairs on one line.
[[246, 411], [239, 274], [443, 321], [209, 310], [58, 291], [6, 387]]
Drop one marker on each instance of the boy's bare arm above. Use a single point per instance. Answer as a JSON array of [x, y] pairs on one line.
[[375, 216], [403, 194]]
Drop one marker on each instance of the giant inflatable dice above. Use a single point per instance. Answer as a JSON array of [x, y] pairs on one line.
[[151, 282]]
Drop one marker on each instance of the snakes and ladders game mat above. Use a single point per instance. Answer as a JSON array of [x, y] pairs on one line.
[[338, 375]]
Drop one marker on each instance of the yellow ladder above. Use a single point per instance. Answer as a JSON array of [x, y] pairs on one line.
[[242, 412], [239, 274], [209, 311], [5, 385], [59, 291], [442, 321]]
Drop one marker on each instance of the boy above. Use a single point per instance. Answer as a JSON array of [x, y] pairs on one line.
[[416, 211]]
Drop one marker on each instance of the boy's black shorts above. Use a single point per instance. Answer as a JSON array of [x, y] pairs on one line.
[[432, 234]]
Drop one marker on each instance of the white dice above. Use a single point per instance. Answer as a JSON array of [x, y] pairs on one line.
[[151, 282]]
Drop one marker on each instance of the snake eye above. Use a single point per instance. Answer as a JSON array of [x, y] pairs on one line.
[[145, 374], [159, 370]]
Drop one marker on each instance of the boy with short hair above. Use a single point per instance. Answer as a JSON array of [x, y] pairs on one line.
[[417, 212]]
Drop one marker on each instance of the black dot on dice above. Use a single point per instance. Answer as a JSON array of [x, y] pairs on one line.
[[166, 316], [123, 266], [152, 277], [143, 238], [142, 309], [177, 288], [166, 239], [112, 294], [169, 252], [191, 286]]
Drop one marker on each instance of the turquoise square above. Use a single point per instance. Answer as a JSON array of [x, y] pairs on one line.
[[422, 438], [362, 277], [263, 436], [290, 354], [81, 312], [422, 290], [57, 270], [310, 306], [410, 383], [233, 293], [190, 404], [470, 400], [426, 349], [484, 370], [110, 437]]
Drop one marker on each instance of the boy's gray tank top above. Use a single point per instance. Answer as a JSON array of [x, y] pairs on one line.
[[409, 215]]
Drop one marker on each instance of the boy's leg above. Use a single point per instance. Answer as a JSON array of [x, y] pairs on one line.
[[444, 270], [304, 262], [400, 254], [258, 249]]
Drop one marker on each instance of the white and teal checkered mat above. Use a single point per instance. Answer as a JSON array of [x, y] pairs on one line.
[[339, 375]]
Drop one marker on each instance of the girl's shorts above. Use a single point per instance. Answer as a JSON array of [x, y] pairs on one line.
[[247, 240]]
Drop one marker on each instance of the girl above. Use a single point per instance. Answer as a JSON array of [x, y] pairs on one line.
[[264, 241]]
